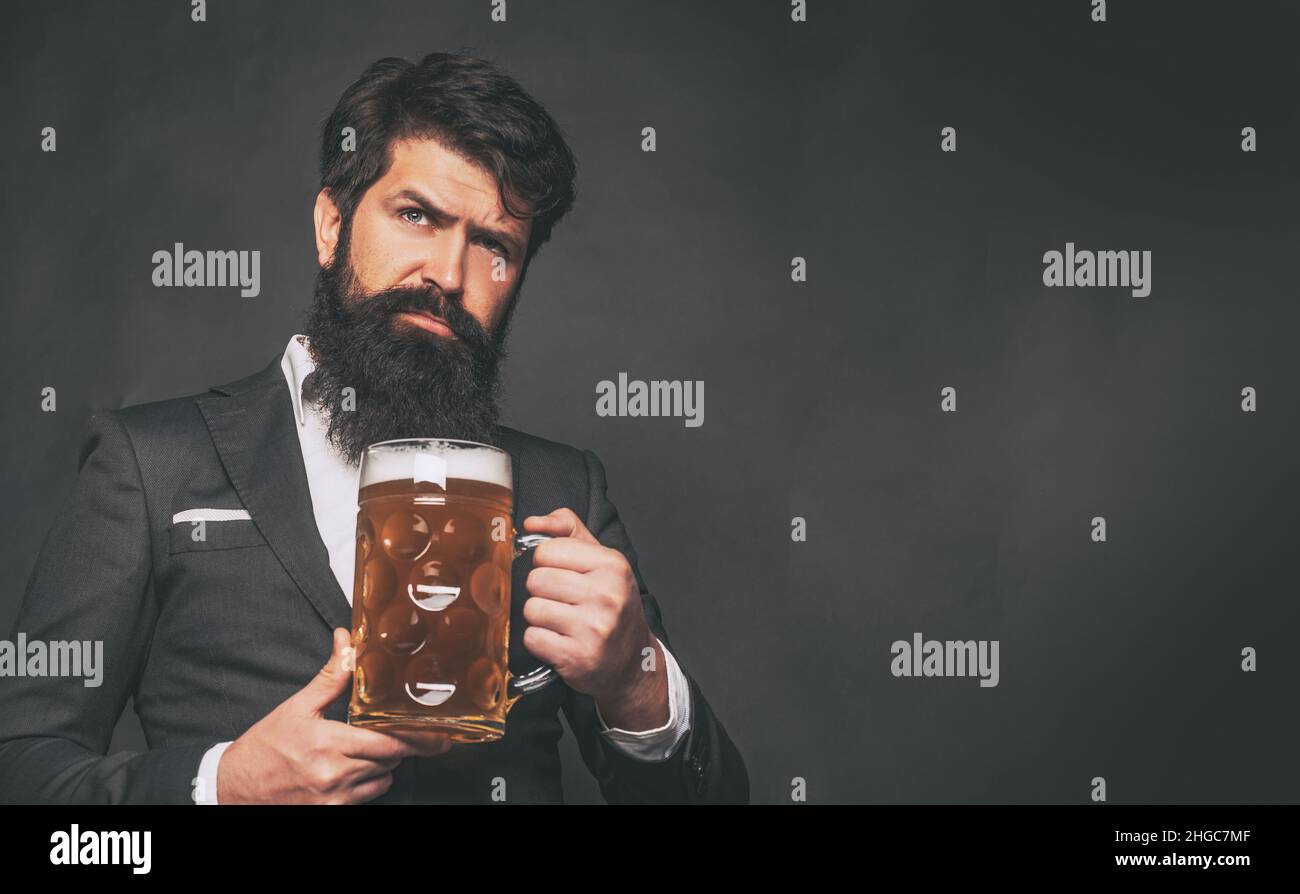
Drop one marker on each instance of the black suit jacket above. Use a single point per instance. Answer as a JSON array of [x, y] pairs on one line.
[[208, 637]]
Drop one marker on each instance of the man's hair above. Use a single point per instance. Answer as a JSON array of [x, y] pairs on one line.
[[471, 107]]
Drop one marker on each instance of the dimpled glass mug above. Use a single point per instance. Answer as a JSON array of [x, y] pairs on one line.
[[431, 593]]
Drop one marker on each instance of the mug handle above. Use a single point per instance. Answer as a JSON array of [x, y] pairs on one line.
[[543, 675]]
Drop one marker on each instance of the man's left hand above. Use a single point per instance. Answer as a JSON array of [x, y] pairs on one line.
[[587, 621]]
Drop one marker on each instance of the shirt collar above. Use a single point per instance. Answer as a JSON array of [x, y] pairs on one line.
[[297, 365]]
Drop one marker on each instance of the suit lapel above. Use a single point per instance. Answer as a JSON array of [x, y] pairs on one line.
[[252, 426]]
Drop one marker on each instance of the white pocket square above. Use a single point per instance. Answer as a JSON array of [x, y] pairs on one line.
[[193, 515]]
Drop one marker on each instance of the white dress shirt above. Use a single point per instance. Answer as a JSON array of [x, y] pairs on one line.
[[332, 481]]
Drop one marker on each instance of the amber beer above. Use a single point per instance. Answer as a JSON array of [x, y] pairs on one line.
[[431, 592]]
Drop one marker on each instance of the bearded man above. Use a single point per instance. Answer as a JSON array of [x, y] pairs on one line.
[[439, 183]]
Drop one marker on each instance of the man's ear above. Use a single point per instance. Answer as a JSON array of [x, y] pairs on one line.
[[327, 221]]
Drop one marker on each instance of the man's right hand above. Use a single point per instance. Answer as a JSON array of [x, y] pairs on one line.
[[295, 756]]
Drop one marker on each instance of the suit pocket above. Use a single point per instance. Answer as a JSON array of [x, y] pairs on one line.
[[201, 535]]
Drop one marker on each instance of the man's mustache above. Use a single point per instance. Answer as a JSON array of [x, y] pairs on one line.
[[417, 300]]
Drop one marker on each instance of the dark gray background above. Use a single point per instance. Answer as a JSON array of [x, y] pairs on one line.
[[820, 140]]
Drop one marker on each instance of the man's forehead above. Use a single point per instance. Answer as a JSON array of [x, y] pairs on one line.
[[449, 180]]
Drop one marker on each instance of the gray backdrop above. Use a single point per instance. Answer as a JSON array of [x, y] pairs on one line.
[[778, 140]]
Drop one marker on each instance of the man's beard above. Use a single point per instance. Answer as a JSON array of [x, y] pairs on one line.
[[409, 382]]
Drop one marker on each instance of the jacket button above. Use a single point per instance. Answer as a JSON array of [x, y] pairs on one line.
[[697, 770]]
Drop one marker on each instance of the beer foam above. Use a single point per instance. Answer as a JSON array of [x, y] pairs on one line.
[[474, 463]]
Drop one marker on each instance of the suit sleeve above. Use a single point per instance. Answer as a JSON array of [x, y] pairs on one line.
[[706, 767], [92, 582]]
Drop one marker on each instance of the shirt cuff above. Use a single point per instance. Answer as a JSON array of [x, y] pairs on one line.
[[657, 744], [208, 773]]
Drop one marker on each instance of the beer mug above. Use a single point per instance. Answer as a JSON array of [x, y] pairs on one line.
[[431, 591]]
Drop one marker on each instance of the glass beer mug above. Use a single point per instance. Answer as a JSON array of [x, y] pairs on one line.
[[431, 592]]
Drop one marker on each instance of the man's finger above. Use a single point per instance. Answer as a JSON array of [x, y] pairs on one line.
[[369, 744], [332, 680], [428, 744], [562, 522], [549, 646], [561, 617], [577, 555], [558, 584]]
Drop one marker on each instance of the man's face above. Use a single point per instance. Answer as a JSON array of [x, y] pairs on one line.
[[413, 303], [434, 221]]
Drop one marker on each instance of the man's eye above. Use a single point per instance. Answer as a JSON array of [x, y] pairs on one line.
[[419, 215], [495, 246]]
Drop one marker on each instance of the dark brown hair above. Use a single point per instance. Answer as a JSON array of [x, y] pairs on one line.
[[470, 106]]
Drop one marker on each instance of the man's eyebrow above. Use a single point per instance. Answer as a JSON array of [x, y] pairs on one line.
[[427, 206]]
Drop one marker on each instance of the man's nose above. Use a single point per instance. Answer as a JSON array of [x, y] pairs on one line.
[[444, 264]]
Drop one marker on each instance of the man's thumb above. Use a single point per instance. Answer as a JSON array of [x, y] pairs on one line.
[[334, 678]]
